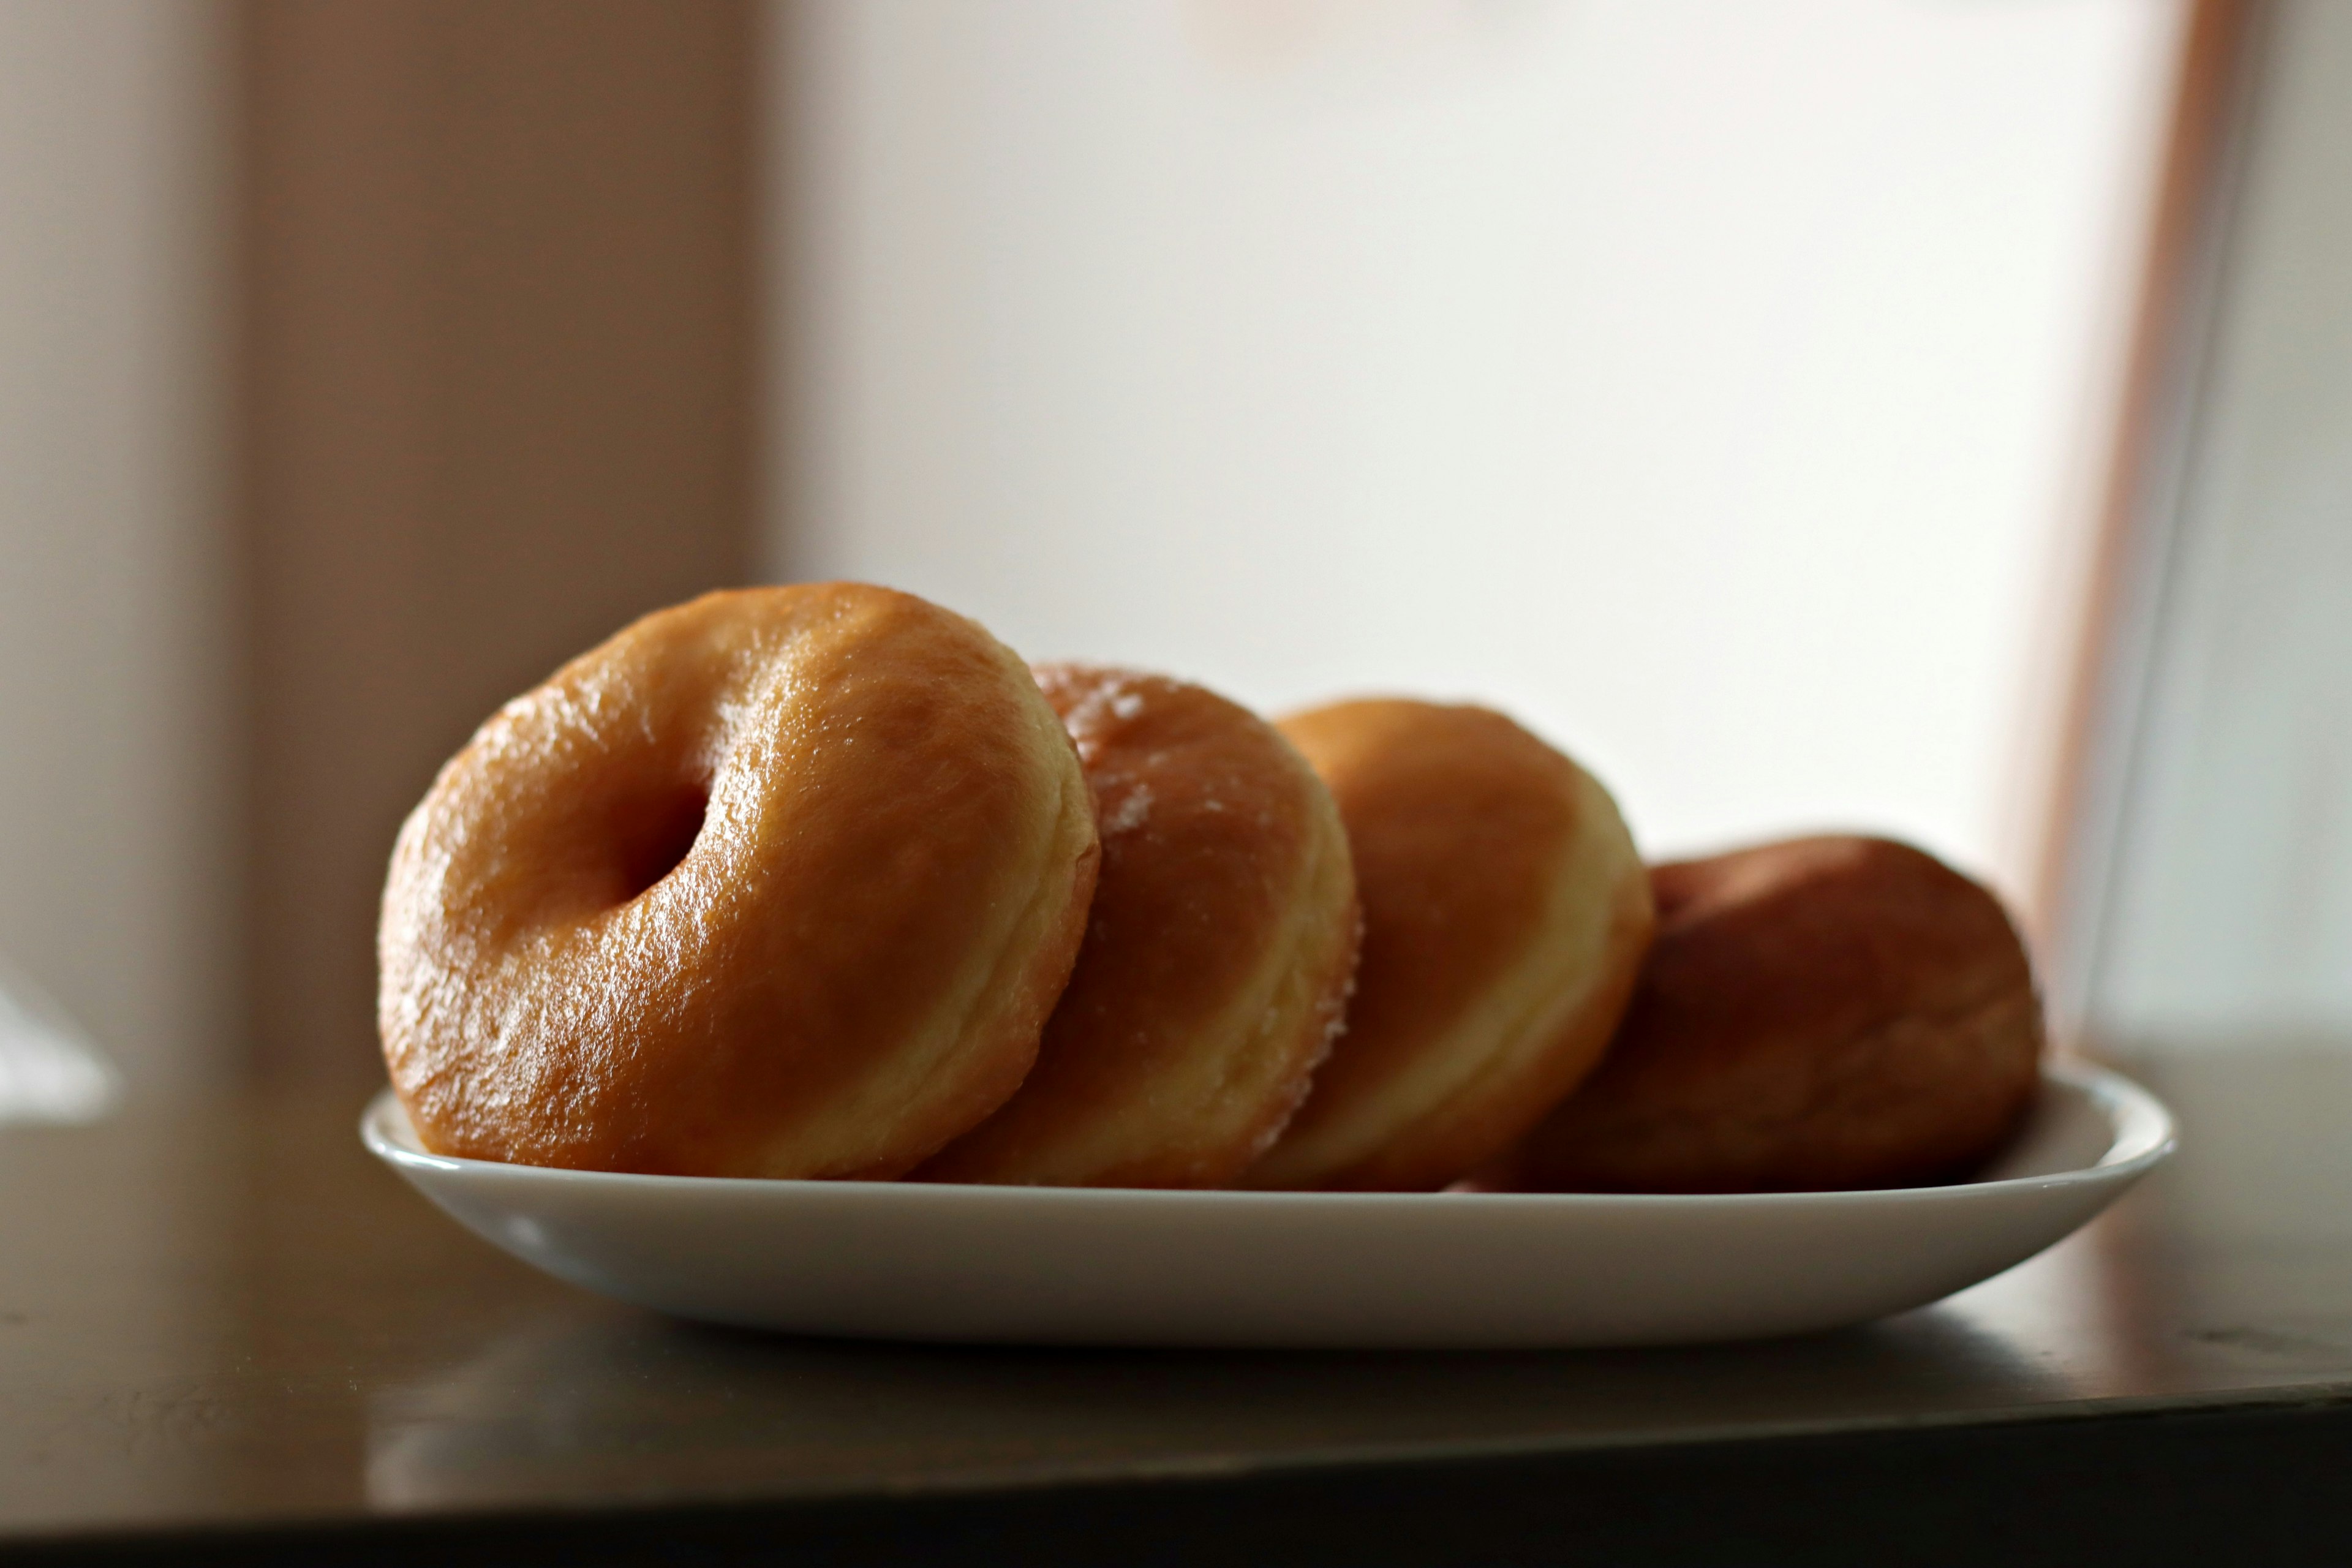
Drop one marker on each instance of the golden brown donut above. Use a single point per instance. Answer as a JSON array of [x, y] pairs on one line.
[[1217, 958], [781, 882], [1506, 913], [1819, 1013]]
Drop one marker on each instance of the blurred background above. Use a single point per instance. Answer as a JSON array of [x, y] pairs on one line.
[[1907, 415]]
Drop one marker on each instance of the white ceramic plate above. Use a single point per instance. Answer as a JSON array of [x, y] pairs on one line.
[[1106, 1265]]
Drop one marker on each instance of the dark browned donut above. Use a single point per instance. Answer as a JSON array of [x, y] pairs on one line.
[[1824, 1012]]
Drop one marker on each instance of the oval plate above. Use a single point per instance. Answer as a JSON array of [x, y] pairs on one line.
[[1120, 1266]]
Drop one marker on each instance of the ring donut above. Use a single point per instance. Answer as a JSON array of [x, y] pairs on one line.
[[779, 882], [1505, 913], [1217, 958]]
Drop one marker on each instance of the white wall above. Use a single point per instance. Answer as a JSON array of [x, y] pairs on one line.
[[1704, 381], [114, 811]]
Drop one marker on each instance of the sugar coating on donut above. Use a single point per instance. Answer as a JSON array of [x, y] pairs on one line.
[[779, 882], [1506, 913], [1218, 953], [1825, 1013]]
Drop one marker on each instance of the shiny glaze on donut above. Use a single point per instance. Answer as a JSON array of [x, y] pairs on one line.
[[1217, 957], [1506, 912], [778, 882]]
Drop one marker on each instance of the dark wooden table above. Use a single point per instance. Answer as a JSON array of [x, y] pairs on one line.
[[225, 1332]]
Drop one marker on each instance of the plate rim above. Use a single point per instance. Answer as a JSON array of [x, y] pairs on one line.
[[2145, 1135]]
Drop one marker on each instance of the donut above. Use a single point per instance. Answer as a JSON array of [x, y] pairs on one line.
[[1824, 1012], [1217, 958], [1506, 913], [780, 882]]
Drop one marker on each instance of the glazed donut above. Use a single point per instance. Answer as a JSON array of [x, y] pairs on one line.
[[1217, 957], [781, 882], [1820, 1013], [1505, 913]]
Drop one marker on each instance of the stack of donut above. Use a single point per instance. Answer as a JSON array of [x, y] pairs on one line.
[[823, 882]]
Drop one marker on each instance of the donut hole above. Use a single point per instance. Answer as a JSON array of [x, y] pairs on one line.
[[655, 835]]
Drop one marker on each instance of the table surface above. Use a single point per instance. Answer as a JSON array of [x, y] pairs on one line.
[[229, 1317]]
